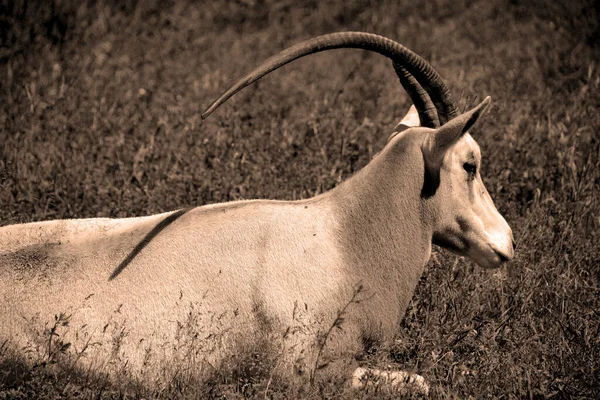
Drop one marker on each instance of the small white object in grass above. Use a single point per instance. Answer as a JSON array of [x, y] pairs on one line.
[[394, 380]]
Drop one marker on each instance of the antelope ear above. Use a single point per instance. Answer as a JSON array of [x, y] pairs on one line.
[[442, 138], [411, 119]]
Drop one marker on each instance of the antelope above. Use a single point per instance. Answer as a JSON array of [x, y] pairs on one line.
[[268, 273]]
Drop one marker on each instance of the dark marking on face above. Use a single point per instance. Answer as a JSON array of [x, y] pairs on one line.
[[463, 224], [452, 241], [455, 244], [431, 182], [146, 240]]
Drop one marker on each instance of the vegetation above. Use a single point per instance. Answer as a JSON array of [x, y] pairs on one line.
[[99, 116]]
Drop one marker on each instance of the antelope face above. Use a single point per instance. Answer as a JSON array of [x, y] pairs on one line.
[[470, 224], [467, 221]]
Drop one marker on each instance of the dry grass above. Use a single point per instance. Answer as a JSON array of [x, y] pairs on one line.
[[99, 116]]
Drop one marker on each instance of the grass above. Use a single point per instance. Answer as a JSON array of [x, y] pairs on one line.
[[99, 116]]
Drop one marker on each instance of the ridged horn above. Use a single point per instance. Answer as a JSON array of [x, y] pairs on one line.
[[415, 65], [427, 112]]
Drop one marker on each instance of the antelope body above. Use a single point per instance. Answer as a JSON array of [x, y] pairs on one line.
[[261, 269]]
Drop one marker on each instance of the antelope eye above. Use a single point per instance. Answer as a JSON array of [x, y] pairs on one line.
[[471, 169]]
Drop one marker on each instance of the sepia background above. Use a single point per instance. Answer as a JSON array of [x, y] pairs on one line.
[[100, 106]]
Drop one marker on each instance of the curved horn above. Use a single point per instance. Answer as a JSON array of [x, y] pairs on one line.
[[413, 63], [427, 112]]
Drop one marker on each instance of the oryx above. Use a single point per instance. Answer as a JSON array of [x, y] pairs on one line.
[[272, 273]]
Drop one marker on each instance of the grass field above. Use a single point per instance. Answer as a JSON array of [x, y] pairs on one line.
[[100, 116]]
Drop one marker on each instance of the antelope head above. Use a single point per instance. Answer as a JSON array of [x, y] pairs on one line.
[[465, 218]]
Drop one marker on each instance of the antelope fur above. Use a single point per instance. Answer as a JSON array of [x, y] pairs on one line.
[[265, 273]]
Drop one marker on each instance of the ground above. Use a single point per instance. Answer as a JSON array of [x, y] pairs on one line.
[[100, 108]]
